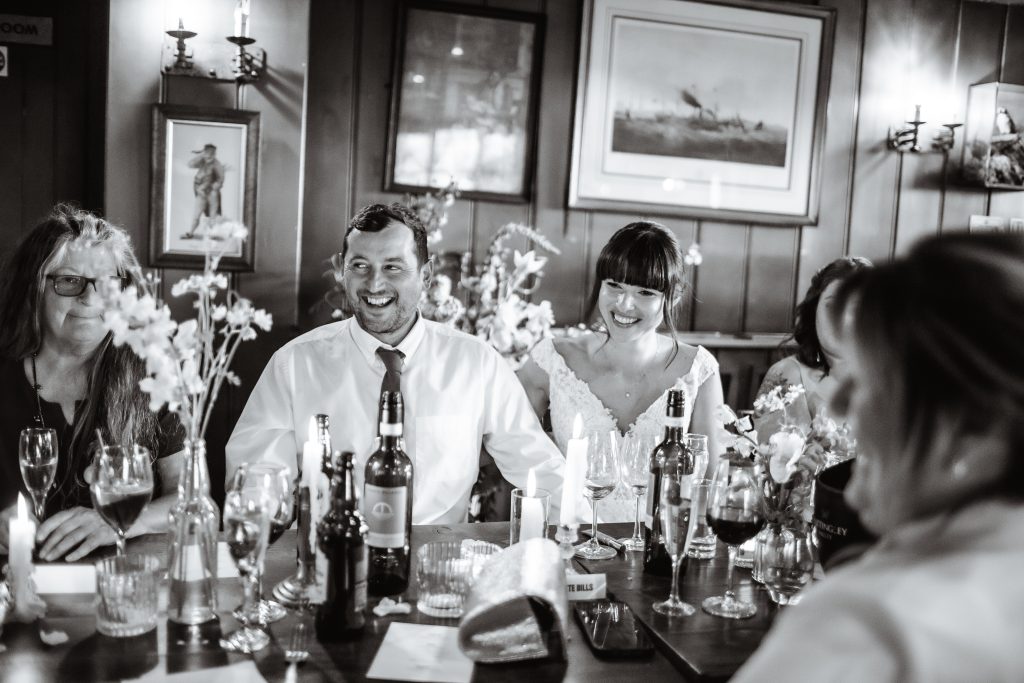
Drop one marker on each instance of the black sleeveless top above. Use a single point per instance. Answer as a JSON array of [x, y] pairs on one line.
[[18, 410]]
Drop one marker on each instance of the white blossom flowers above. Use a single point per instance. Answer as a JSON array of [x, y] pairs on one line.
[[496, 308], [188, 362]]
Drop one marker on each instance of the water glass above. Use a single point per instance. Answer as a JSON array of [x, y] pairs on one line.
[[529, 515], [445, 571], [127, 588], [704, 541]]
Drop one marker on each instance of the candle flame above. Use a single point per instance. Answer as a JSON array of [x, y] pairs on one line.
[[531, 484], [22, 508], [312, 429], [577, 426]]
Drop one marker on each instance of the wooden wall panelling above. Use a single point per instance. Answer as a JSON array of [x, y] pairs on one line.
[[378, 28], [43, 138], [330, 150], [489, 217], [773, 266], [721, 280], [980, 48], [12, 97], [685, 230], [1010, 203], [826, 241], [882, 91], [933, 37], [564, 274]]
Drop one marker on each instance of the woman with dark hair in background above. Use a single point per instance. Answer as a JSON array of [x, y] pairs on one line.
[[60, 370], [618, 379], [818, 353], [934, 392]]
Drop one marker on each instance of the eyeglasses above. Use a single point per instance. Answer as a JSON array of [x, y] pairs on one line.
[[74, 285]]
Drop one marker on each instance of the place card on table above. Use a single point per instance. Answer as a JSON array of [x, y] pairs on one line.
[[415, 652], [586, 586]]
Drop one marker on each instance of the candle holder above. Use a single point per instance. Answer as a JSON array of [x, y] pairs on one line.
[[182, 56], [293, 591], [567, 535], [529, 515], [249, 65]]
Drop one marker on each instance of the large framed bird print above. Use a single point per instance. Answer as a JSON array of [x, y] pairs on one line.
[[710, 110]]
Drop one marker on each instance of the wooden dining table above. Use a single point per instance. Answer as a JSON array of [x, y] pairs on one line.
[[699, 647]]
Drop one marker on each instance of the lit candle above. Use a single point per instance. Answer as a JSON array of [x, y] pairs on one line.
[[311, 457], [532, 524], [21, 542], [242, 18], [575, 471]]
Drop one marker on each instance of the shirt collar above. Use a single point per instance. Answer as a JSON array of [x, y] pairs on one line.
[[368, 344]]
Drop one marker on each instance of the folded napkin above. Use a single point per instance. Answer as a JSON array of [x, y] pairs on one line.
[[515, 604]]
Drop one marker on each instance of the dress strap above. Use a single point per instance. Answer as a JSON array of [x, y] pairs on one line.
[[545, 356], [703, 367]]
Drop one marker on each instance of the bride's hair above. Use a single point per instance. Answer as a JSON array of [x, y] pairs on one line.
[[643, 254], [942, 329]]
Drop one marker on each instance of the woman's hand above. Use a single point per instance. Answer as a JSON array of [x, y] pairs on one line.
[[73, 534]]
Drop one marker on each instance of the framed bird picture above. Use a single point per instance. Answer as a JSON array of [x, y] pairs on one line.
[[702, 109], [993, 152]]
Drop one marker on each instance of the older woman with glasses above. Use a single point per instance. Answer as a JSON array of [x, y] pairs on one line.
[[59, 370], [934, 391]]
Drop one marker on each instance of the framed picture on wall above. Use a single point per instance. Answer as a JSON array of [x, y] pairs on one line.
[[703, 109], [204, 168], [464, 100]]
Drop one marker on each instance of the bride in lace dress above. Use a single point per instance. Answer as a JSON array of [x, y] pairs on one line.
[[618, 380]]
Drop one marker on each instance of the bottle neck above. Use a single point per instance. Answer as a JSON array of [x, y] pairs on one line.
[[674, 429], [195, 476], [390, 434], [351, 493]]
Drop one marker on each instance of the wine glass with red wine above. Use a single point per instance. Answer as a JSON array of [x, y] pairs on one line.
[[736, 514], [122, 486], [275, 481]]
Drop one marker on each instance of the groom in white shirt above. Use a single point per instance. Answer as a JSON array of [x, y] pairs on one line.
[[459, 392]]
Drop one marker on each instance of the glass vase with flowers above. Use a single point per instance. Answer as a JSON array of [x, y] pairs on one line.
[[187, 364]]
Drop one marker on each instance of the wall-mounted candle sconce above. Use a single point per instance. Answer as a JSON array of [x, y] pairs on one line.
[[241, 63], [908, 138]]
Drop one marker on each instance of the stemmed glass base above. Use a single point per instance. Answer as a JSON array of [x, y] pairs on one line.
[[592, 550], [674, 607], [728, 607], [250, 637], [246, 639], [269, 612], [633, 544]]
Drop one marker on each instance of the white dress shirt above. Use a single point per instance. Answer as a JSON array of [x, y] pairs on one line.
[[459, 393]]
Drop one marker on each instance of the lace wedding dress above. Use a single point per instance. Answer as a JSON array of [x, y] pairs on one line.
[[569, 395]]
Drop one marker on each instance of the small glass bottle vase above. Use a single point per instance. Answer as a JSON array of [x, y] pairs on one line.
[[192, 556], [784, 562]]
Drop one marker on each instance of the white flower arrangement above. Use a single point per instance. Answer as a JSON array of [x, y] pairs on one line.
[[496, 306], [187, 363]]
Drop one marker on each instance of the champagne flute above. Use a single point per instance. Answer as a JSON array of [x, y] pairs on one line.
[[736, 514], [276, 480], [601, 477], [37, 456], [677, 525], [247, 527], [635, 465], [122, 486]]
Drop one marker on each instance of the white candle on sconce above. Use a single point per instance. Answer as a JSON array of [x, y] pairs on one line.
[[533, 524], [575, 471], [242, 10], [21, 542]]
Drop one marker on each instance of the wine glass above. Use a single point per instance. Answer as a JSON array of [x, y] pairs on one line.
[[122, 486], [37, 456], [697, 444], [735, 514], [276, 480], [601, 477], [247, 508], [635, 466], [677, 524]]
